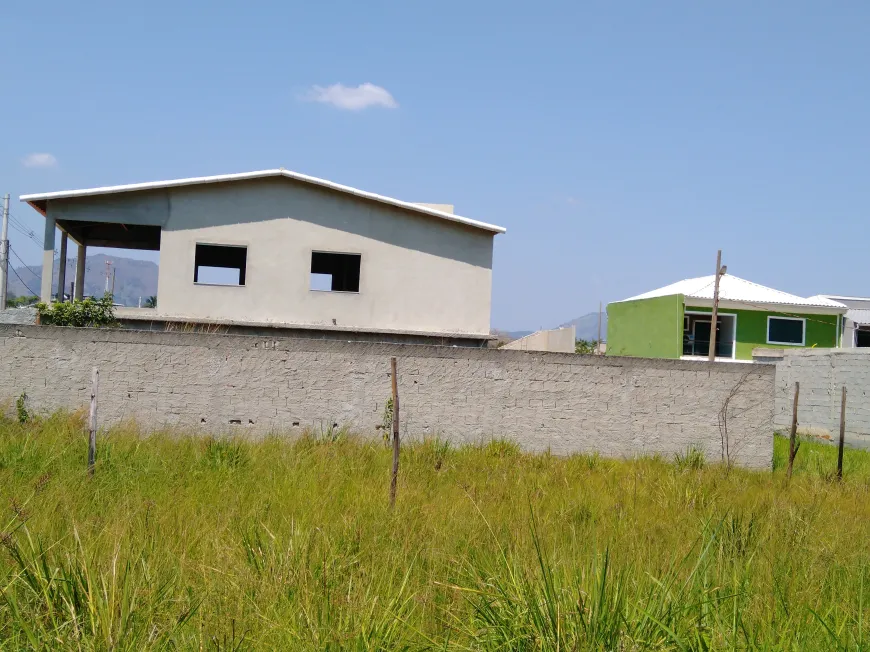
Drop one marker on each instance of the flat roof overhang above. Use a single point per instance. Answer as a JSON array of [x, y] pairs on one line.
[[115, 235]]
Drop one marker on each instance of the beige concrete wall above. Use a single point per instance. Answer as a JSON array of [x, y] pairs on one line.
[[560, 402], [418, 273], [557, 340]]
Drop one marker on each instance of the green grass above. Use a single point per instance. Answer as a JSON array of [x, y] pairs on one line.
[[221, 544]]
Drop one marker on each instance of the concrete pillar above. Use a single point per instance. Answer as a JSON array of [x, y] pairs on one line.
[[47, 260], [80, 272], [61, 272]]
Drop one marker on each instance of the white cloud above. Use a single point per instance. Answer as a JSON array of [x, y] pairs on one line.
[[39, 160], [352, 98]]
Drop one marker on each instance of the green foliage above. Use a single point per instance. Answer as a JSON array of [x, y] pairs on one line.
[[329, 433], [151, 302], [502, 448], [692, 460], [21, 408], [585, 347], [93, 313], [18, 302], [224, 453], [223, 543]]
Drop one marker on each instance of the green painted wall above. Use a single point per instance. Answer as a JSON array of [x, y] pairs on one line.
[[752, 330], [648, 328]]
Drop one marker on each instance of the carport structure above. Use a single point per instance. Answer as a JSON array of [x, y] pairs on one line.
[[90, 228]]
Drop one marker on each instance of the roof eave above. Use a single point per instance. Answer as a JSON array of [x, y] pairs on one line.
[[736, 304], [39, 200]]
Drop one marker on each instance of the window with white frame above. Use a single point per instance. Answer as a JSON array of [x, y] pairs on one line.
[[789, 331]]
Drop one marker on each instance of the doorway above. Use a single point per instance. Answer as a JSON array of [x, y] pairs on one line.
[[696, 335]]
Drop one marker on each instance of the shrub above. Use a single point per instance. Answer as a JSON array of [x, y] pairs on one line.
[[693, 459], [21, 408], [18, 302], [585, 347], [94, 313]]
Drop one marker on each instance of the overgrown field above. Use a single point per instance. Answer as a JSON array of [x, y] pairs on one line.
[[209, 544]]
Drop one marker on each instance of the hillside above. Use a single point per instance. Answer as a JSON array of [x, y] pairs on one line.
[[133, 278], [587, 326], [586, 329]]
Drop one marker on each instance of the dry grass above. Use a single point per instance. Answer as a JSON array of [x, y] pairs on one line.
[[221, 544]]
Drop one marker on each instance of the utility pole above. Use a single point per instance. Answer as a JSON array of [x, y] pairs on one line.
[[4, 253], [598, 346], [108, 274], [720, 270]]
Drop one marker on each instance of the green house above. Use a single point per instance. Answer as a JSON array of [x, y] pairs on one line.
[[675, 321]]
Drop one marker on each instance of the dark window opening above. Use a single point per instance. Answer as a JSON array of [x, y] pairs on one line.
[[220, 264], [862, 337], [781, 330], [696, 335], [335, 272]]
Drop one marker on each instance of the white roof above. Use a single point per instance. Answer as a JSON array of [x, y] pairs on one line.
[[859, 316], [280, 172], [733, 288]]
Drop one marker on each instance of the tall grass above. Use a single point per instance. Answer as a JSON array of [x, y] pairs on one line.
[[226, 544]]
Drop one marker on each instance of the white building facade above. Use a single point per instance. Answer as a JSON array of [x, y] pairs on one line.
[[280, 249]]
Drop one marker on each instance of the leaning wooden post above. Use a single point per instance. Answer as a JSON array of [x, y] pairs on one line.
[[792, 440], [395, 477], [92, 423], [842, 435]]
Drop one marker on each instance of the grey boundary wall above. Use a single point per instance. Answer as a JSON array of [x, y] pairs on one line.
[[561, 402], [822, 374]]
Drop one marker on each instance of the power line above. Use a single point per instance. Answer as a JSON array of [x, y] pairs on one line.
[[29, 235], [32, 293], [15, 271], [25, 265]]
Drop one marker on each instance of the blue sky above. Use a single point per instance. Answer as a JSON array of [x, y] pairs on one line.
[[621, 144]]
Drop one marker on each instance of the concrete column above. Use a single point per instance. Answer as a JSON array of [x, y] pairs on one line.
[[61, 272], [47, 260], [80, 272]]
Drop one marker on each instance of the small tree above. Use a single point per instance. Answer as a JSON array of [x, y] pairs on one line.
[[17, 302], [151, 302], [585, 347], [93, 313]]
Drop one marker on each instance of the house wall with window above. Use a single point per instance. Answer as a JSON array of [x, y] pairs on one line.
[[281, 252], [655, 328], [413, 272], [820, 331]]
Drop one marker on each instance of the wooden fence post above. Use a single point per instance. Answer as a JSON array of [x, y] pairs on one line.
[[92, 423], [842, 435], [395, 477], [793, 445]]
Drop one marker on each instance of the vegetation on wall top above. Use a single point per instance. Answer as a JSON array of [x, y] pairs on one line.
[[94, 313]]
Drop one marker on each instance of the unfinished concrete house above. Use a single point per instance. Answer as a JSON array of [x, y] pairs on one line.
[[275, 249]]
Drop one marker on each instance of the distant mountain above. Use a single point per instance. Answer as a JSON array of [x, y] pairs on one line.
[[586, 327], [133, 278]]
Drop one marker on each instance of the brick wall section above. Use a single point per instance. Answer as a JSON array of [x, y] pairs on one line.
[[822, 373], [562, 402]]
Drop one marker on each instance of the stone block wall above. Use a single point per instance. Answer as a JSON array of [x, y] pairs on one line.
[[822, 374], [564, 403]]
